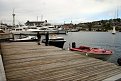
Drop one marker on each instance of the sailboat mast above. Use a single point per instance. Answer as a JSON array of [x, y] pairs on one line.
[[37, 18], [117, 13], [13, 18], [41, 17]]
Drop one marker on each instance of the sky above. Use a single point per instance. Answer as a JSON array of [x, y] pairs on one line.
[[59, 11]]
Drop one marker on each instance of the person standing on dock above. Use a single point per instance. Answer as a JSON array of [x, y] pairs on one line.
[[12, 36], [38, 38], [46, 38]]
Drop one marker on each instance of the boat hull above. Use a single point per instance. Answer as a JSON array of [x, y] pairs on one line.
[[113, 33], [99, 56], [62, 32], [57, 43], [26, 39], [23, 40]]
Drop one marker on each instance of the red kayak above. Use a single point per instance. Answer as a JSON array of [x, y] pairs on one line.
[[94, 52]]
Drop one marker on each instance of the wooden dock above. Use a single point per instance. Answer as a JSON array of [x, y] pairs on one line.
[[28, 61]]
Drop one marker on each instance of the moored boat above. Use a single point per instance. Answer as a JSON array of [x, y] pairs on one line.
[[114, 30], [99, 53], [25, 30], [55, 41], [24, 39], [1, 31]]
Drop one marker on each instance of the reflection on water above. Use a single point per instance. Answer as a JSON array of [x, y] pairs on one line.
[[96, 39]]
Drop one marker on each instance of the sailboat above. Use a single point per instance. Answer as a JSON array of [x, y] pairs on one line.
[[114, 30]]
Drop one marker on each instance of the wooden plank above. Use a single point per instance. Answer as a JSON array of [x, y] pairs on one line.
[[41, 53], [55, 65], [51, 72]]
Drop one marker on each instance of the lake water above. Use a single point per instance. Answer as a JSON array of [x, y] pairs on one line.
[[96, 39]]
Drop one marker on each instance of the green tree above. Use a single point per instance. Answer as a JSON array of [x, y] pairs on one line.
[[90, 26]]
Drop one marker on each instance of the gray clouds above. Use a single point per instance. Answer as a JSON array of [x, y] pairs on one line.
[[56, 10]]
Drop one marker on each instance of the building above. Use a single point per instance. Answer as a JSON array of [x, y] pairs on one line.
[[37, 23], [68, 26]]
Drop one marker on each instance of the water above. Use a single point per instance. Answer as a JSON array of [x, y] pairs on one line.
[[96, 39]]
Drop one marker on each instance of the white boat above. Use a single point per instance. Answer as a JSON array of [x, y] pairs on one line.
[[4, 28], [61, 31], [113, 31], [1, 31], [50, 29], [24, 39], [25, 30], [32, 30]]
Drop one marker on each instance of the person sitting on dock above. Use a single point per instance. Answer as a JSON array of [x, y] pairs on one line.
[[38, 38]]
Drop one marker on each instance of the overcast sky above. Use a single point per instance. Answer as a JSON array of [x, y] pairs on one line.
[[58, 11]]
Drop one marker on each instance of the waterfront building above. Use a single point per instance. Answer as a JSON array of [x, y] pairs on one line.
[[68, 26], [37, 23]]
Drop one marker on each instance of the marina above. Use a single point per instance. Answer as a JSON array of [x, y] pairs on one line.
[[104, 40], [72, 40], [28, 61]]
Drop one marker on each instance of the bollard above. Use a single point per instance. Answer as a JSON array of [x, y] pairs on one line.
[[73, 45], [119, 61]]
